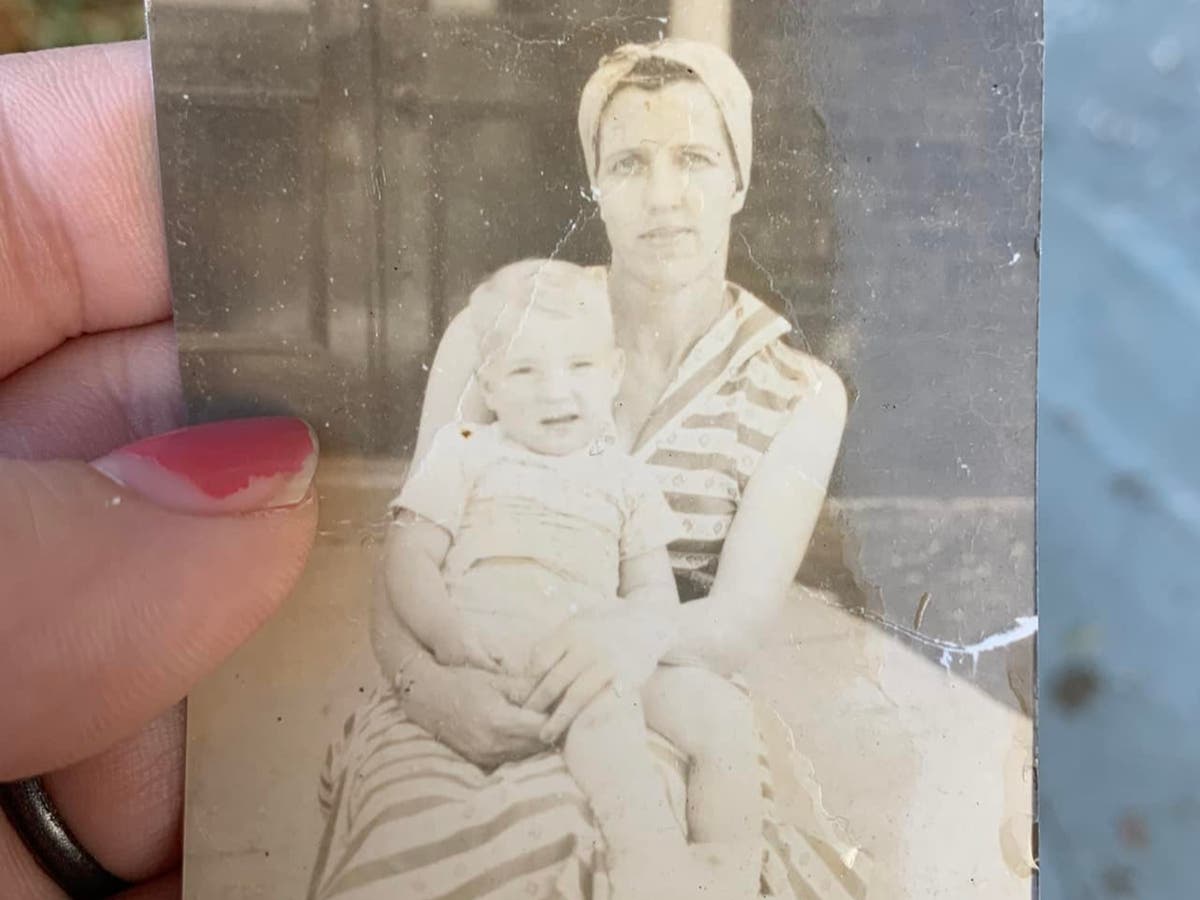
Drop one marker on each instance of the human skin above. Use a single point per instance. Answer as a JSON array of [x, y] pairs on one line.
[[666, 187], [115, 598], [552, 389]]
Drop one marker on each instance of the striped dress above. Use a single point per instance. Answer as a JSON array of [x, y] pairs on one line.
[[406, 817], [703, 441]]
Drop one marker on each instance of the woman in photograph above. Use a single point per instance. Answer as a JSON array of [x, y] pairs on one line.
[[443, 786]]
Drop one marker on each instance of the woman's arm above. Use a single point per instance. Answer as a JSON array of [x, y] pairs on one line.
[[396, 647], [762, 553], [769, 535], [452, 393], [465, 708], [412, 574]]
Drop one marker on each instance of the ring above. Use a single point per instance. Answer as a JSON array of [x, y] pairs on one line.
[[41, 828]]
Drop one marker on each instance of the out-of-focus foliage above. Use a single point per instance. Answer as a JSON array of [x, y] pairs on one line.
[[37, 24]]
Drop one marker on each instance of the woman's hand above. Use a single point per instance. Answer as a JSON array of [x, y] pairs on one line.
[[475, 713], [478, 714], [465, 649], [617, 649], [122, 583]]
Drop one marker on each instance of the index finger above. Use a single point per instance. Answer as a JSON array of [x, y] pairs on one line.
[[81, 246], [554, 683], [582, 691], [522, 723], [547, 653]]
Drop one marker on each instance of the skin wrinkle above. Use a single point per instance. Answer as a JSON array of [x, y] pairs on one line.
[[23, 246], [63, 94], [79, 172], [141, 407], [35, 218], [22, 876], [94, 393], [144, 773], [105, 640], [126, 171]]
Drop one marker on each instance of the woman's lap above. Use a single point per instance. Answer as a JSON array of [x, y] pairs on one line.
[[408, 817]]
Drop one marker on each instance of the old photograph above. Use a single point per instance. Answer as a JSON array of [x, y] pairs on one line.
[[673, 366]]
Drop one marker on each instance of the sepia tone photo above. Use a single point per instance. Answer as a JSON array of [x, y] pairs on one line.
[[673, 367]]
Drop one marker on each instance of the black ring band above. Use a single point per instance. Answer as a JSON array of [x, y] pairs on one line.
[[35, 819]]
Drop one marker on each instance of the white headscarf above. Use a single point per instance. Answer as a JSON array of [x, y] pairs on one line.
[[712, 67]]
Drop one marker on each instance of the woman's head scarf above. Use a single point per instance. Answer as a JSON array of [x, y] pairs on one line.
[[712, 67]]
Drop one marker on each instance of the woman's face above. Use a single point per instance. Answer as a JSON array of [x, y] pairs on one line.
[[666, 182]]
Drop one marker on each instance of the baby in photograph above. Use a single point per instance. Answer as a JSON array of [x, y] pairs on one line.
[[512, 528]]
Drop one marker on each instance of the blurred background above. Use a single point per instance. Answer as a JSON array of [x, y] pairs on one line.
[[1119, 451], [38, 24]]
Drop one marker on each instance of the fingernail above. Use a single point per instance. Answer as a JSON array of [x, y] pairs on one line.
[[235, 466]]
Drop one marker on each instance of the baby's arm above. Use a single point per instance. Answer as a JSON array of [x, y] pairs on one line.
[[416, 550], [647, 580]]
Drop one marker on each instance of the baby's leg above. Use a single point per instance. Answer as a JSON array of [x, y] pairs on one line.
[[712, 723], [606, 753]]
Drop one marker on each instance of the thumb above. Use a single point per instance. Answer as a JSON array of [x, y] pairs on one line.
[[125, 581]]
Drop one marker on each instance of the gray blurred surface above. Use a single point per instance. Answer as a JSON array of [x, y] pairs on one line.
[[933, 112], [1119, 484]]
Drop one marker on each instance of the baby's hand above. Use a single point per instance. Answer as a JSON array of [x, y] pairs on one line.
[[464, 649]]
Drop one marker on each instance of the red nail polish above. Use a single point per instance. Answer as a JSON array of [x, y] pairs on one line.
[[239, 465]]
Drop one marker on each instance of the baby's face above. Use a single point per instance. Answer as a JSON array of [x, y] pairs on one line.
[[552, 387]]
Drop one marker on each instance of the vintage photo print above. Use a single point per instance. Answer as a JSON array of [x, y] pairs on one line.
[[673, 365]]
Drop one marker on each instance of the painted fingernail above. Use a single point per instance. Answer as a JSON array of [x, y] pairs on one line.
[[235, 466]]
